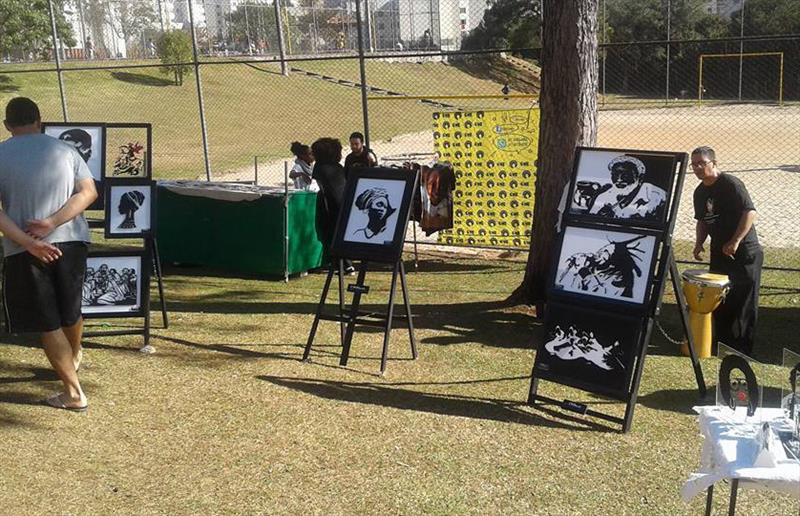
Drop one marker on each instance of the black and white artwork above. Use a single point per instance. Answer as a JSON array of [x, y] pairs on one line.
[[373, 216], [87, 139], [129, 209], [623, 186], [112, 285], [588, 349], [609, 264]]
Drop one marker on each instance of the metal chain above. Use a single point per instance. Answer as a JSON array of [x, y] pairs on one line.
[[664, 333]]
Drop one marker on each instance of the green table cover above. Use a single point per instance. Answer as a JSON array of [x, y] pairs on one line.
[[236, 227]]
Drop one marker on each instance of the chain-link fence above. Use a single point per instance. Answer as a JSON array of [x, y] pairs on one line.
[[254, 76]]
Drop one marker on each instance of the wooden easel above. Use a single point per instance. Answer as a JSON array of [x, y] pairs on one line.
[[666, 265], [348, 321]]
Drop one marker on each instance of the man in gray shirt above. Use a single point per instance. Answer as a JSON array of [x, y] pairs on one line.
[[45, 186]]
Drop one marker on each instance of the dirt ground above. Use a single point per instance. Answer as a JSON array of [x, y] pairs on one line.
[[760, 144]]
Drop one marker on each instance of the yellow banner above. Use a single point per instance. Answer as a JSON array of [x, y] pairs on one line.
[[493, 154]]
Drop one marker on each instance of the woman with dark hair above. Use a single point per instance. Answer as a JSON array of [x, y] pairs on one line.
[[329, 175], [302, 170], [129, 204]]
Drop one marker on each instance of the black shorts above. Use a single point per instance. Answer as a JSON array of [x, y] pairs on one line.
[[40, 297]]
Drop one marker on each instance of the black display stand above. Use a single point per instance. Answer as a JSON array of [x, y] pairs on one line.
[[348, 320], [646, 316]]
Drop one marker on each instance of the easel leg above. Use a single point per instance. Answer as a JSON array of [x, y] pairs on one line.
[[341, 303], [160, 281], [637, 377], [351, 322], [532, 391], [734, 492], [407, 302], [416, 253], [684, 315], [709, 499], [320, 307], [389, 315]]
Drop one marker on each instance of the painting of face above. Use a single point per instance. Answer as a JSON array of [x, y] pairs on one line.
[[623, 186], [87, 140], [129, 212]]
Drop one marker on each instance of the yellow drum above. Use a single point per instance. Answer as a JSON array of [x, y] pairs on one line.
[[704, 292]]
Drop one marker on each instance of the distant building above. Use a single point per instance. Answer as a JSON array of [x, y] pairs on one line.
[[724, 8]]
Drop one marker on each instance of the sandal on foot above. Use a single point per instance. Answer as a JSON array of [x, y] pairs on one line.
[[57, 402]]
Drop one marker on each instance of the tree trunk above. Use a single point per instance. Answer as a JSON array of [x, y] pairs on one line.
[[568, 103]]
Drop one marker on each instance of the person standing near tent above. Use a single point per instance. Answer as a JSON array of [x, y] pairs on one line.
[[723, 210], [360, 155], [330, 176], [302, 169], [45, 186]]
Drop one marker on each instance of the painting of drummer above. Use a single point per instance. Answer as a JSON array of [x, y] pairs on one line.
[[724, 211]]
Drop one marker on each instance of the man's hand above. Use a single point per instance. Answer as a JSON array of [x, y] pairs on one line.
[[729, 249], [698, 252], [40, 228], [47, 253]]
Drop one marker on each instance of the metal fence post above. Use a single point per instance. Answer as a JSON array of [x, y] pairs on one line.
[[57, 56], [199, 93], [669, 20], [279, 27], [363, 72]]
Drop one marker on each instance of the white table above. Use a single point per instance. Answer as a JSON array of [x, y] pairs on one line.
[[730, 452]]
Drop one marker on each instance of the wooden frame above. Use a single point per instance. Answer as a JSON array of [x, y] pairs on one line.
[[140, 258], [383, 196], [589, 160], [111, 209]]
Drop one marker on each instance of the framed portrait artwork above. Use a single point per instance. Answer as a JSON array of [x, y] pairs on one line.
[[623, 186], [116, 284], [610, 264], [588, 349], [129, 208], [372, 223], [129, 151], [89, 139]]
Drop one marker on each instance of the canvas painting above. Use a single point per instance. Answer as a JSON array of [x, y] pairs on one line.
[[614, 265], [623, 186], [112, 285], [588, 349], [128, 151], [374, 213], [88, 140], [129, 209]]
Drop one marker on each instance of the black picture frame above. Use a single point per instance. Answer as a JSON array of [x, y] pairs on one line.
[[112, 307], [631, 206], [606, 273], [97, 162], [148, 151], [588, 349], [359, 224], [113, 207]]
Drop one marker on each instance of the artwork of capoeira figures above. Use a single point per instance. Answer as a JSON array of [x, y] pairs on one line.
[[107, 286], [577, 344], [627, 196]]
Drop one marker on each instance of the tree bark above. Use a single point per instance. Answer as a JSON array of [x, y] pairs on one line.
[[568, 104]]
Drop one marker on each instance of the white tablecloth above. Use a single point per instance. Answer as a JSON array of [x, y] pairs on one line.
[[730, 451], [232, 192]]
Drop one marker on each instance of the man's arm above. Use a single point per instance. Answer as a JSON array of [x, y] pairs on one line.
[[84, 195], [41, 250], [745, 223], [701, 233]]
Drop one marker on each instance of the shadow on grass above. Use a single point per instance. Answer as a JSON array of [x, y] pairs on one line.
[[450, 405], [232, 350], [141, 79], [491, 323], [7, 84]]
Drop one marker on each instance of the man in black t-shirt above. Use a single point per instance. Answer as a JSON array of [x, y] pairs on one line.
[[361, 155], [725, 212]]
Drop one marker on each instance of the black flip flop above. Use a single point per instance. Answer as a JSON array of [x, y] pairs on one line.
[[55, 402]]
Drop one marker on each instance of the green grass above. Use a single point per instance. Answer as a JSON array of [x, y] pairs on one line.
[[249, 111], [224, 418]]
